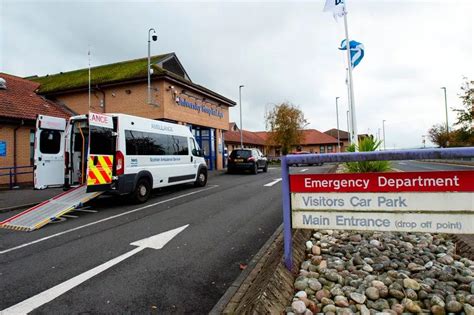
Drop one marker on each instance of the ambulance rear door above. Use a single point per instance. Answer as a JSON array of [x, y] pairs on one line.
[[49, 152], [101, 152]]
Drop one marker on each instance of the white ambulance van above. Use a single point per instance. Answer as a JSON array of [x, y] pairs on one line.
[[122, 154]]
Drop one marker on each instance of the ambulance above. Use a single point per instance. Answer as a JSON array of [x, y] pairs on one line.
[[116, 153]]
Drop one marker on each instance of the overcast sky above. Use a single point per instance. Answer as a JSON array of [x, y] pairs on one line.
[[281, 51]]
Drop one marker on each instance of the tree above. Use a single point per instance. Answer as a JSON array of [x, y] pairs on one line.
[[464, 136], [438, 135], [285, 123], [466, 114]]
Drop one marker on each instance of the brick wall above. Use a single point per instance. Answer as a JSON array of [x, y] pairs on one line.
[[22, 152]]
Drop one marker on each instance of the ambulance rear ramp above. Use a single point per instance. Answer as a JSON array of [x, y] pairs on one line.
[[49, 210]]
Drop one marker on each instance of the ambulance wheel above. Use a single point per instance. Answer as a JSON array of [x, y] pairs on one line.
[[201, 179], [142, 191]]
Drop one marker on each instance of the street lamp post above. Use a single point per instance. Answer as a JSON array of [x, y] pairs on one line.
[[446, 109], [348, 127], [383, 131], [337, 122], [154, 37], [240, 105]]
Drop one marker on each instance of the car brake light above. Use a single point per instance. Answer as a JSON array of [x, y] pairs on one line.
[[251, 158], [119, 158]]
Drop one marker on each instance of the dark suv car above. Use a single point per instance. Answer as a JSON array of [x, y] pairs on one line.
[[247, 159]]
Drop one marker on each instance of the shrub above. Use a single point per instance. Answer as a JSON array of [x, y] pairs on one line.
[[366, 145]]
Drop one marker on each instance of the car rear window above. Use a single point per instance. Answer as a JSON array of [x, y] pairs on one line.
[[241, 153]]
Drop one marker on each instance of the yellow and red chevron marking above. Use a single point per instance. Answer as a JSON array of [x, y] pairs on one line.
[[100, 173]]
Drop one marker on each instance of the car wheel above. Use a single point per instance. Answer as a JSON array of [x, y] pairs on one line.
[[265, 169], [310, 164], [201, 179], [142, 191], [255, 169], [229, 170]]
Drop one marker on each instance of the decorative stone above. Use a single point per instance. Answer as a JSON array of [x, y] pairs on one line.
[[301, 284], [298, 307], [330, 308], [314, 284], [372, 293], [309, 245], [454, 306], [412, 307], [357, 297], [468, 309], [341, 301], [316, 250], [437, 310], [447, 260], [411, 284], [301, 294]]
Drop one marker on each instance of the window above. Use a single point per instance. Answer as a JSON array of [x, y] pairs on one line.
[[147, 143], [322, 149], [330, 148], [102, 142], [50, 141]]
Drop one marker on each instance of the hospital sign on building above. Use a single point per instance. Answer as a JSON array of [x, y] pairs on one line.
[[439, 202]]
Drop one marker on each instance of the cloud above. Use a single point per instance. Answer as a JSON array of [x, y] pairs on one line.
[[280, 51]]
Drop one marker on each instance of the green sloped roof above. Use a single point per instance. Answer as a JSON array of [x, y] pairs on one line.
[[111, 73]]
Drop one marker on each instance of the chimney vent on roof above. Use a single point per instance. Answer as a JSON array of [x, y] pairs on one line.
[[3, 84]]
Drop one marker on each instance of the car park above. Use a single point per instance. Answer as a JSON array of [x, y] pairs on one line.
[[247, 159]]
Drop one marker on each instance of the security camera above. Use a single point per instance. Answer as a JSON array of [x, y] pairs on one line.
[[154, 36]]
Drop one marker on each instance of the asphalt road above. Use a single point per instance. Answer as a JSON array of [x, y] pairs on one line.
[[229, 220], [417, 166]]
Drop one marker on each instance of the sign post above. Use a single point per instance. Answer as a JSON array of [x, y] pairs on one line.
[[430, 202]]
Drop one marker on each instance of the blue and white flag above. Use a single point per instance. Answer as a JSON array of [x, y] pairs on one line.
[[335, 6], [356, 49]]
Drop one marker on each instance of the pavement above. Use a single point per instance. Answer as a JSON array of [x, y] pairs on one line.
[[26, 197]]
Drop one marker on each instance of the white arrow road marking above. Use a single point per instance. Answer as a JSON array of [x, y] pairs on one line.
[[105, 219], [303, 170], [28, 305], [272, 183]]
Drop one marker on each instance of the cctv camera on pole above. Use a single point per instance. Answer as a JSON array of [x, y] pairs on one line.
[[154, 37]]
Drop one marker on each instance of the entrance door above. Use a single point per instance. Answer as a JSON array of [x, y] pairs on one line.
[[101, 151], [49, 152], [206, 141]]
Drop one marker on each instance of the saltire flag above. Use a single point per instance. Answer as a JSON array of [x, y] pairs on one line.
[[335, 6], [356, 49]]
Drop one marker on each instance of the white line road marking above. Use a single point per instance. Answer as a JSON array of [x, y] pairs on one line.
[[105, 219], [272, 183], [86, 210], [28, 305], [303, 170]]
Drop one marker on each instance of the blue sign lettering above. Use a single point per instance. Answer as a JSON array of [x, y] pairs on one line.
[[199, 108]]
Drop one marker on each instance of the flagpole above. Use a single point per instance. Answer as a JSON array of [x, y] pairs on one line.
[[349, 129], [89, 53], [354, 136]]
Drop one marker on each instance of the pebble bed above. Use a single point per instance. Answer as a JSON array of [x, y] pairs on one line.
[[382, 273]]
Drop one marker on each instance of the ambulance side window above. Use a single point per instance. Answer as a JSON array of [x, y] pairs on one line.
[[50, 141]]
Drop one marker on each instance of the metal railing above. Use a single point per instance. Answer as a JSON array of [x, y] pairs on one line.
[[13, 171]]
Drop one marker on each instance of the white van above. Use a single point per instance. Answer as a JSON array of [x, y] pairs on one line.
[[123, 154]]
